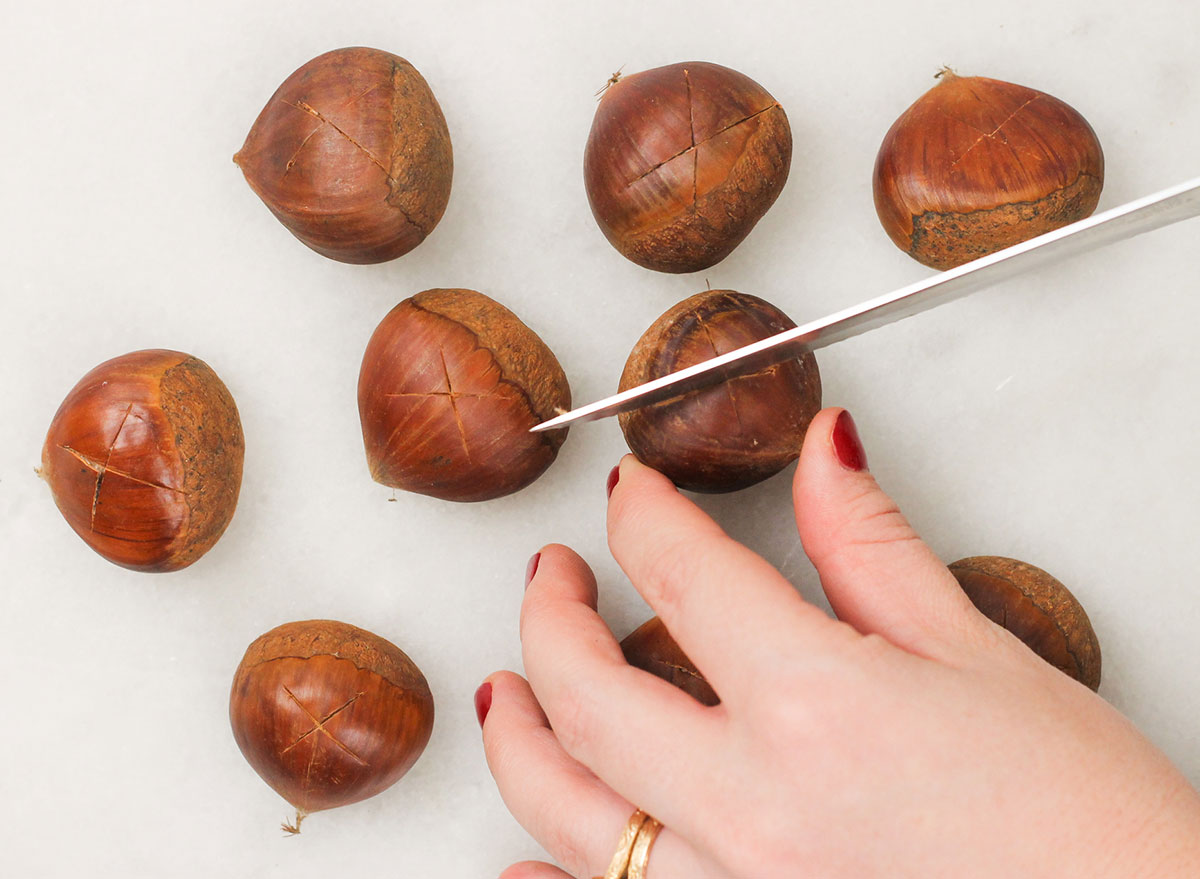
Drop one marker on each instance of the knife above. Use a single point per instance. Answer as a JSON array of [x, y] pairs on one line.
[[1099, 230]]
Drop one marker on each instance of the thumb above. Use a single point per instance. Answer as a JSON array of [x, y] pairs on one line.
[[878, 575]]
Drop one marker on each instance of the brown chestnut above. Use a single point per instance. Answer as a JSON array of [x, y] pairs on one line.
[[144, 459], [731, 435], [977, 165], [352, 155], [328, 714], [1036, 608], [682, 161], [651, 648], [450, 385]]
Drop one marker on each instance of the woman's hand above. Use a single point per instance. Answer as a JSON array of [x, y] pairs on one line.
[[909, 737]]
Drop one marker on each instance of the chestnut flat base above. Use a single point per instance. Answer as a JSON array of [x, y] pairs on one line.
[[945, 240]]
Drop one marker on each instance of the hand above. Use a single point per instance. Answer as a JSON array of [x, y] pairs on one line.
[[909, 737]]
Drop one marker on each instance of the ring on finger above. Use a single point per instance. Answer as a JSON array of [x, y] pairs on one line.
[[633, 849]]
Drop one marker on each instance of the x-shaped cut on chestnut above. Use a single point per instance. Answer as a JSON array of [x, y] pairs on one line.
[[319, 725], [692, 147], [451, 396]]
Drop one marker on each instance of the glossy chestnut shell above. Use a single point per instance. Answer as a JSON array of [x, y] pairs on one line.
[[977, 165], [451, 382], [682, 161], [352, 155], [651, 648], [731, 435], [1036, 608], [144, 459], [328, 714]]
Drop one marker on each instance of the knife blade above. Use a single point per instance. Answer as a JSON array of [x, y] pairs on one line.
[[1144, 214]]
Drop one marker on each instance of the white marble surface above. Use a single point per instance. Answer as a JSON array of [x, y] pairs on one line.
[[1053, 419]]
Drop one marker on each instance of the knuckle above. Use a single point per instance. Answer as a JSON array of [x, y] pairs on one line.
[[669, 572], [571, 718], [532, 612], [870, 518], [501, 752]]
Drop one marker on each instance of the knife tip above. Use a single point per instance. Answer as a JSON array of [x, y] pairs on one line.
[[557, 421]]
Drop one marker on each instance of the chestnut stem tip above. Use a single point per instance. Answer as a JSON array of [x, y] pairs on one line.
[[612, 80], [293, 829]]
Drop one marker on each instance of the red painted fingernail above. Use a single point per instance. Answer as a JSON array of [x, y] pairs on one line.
[[614, 476], [531, 568], [483, 701], [846, 443]]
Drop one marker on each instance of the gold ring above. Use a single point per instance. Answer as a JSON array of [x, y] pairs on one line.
[[633, 849], [640, 856], [618, 868]]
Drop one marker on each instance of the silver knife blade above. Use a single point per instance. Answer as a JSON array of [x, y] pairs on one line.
[[1141, 215]]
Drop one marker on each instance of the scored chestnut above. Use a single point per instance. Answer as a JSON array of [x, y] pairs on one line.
[[651, 648], [328, 714], [451, 382], [352, 155], [1036, 608], [144, 459], [682, 161], [977, 165], [731, 435]]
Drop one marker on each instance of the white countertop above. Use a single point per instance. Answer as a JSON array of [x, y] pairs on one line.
[[1052, 419]]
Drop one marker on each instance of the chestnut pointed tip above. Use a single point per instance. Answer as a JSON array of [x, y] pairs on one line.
[[293, 829]]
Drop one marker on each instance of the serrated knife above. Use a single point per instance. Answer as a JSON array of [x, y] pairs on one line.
[[1099, 230]]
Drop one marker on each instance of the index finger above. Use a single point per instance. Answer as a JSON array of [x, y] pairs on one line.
[[731, 611]]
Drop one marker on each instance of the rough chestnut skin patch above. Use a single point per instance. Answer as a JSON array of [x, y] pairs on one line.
[[651, 648], [329, 714], [682, 161], [731, 435], [1036, 608], [352, 155], [144, 458], [977, 165], [451, 382]]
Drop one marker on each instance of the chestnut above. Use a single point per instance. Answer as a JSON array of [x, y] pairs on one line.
[[328, 714], [144, 459], [682, 161], [451, 382], [977, 165], [733, 434], [651, 648], [352, 155], [1036, 608]]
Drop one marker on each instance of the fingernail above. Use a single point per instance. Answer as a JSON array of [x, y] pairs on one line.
[[846, 443], [531, 568], [614, 476], [483, 701]]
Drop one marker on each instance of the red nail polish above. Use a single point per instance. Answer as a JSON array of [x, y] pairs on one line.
[[483, 701], [531, 568], [614, 476], [846, 443]]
